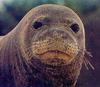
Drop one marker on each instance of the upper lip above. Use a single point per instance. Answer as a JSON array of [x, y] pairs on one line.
[[55, 51]]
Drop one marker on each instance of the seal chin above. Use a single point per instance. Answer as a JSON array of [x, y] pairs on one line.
[[56, 58]]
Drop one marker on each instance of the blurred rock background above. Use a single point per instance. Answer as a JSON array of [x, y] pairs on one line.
[[12, 11]]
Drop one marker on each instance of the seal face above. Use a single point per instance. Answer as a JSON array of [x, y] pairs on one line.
[[55, 45], [56, 40]]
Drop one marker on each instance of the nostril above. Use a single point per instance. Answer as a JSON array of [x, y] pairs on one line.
[[64, 36], [60, 34], [55, 33]]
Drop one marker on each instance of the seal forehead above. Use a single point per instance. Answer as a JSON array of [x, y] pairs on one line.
[[51, 9]]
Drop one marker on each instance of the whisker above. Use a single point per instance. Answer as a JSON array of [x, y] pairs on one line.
[[89, 63], [85, 65], [86, 61], [88, 53]]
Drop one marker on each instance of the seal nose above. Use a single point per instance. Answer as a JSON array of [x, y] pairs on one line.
[[56, 34], [59, 33]]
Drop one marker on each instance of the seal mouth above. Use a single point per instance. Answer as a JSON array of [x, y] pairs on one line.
[[55, 58], [54, 53]]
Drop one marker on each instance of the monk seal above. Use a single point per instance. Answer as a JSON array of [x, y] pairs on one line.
[[45, 49]]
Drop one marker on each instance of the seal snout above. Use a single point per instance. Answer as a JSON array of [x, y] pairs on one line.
[[55, 44]]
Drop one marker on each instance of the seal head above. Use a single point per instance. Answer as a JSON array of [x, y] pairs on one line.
[[46, 49], [55, 35]]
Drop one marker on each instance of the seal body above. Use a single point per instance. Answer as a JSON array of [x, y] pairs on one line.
[[45, 49]]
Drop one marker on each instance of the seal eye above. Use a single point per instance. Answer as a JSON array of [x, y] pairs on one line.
[[75, 27], [37, 25]]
